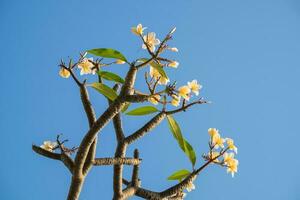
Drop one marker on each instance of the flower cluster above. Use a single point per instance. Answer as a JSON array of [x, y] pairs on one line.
[[219, 148], [49, 146], [183, 92], [86, 66], [150, 42]]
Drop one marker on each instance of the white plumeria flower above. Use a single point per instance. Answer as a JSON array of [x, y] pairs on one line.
[[232, 166], [120, 62], [151, 41], [138, 30], [86, 66], [64, 73], [231, 145], [173, 64], [184, 91], [156, 75], [48, 145], [228, 157], [195, 87], [174, 49]]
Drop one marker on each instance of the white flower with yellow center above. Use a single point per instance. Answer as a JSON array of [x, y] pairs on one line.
[[175, 100], [184, 91], [86, 66], [154, 99], [230, 144], [64, 73], [232, 166], [228, 157], [119, 62], [48, 145], [151, 41], [173, 64], [218, 141], [195, 87], [138, 30], [213, 131], [174, 49], [156, 75]]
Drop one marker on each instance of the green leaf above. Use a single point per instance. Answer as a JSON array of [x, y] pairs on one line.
[[189, 151], [105, 90], [127, 104], [111, 76], [156, 66], [175, 129], [145, 110], [179, 175], [107, 53]]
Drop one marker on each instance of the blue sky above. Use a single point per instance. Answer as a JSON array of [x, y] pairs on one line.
[[244, 53]]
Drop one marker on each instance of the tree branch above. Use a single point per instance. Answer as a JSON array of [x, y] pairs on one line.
[[131, 189], [67, 161], [146, 128], [136, 98], [144, 193], [118, 171], [135, 171], [90, 113], [117, 122], [178, 188], [90, 136], [91, 116], [116, 161], [184, 107]]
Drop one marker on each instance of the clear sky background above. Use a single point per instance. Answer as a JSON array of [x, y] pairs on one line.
[[244, 53]]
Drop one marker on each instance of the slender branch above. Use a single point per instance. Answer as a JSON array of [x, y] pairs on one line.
[[146, 128], [131, 189], [118, 127], [188, 180], [116, 161], [91, 116], [75, 78], [117, 122], [67, 161], [144, 193], [184, 107], [135, 172], [45, 153], [118, 171], [70, 69], [90, 113]]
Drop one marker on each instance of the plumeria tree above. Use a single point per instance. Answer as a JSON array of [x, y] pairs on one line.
[[166, 100]]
